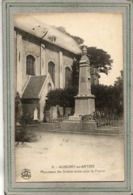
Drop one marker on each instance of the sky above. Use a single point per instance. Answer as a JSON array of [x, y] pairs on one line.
[[101, 30]]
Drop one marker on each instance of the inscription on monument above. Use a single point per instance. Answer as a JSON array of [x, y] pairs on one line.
[[81, 106]]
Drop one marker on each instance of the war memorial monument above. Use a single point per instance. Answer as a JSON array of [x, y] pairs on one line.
[[83, 118]]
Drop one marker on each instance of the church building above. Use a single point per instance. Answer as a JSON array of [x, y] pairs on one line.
[[44, 57]]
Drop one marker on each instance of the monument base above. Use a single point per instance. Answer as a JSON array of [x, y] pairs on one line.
[[84, 104], [78, 126]]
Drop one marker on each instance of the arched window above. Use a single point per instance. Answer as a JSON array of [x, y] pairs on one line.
[[30, 65], [51, 70], [68, 77]]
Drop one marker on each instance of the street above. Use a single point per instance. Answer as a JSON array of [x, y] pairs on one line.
[[71, 157]]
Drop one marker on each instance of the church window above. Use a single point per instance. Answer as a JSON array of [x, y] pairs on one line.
[[68, 77], [51, 70], [30, 65]]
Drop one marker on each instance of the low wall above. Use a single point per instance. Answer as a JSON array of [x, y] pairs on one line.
[[88, 127], [34, 131], [75, 126]]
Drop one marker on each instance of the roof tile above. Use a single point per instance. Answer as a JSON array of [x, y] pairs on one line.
[[48, 33], [33, 87]]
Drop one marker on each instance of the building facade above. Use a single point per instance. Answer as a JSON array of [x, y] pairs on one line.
[[44, 58]]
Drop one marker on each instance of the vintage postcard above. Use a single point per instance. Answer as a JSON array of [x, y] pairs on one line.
[[67, 70]]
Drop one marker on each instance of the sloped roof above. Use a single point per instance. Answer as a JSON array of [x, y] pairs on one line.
[[48, 33], [33, 87]]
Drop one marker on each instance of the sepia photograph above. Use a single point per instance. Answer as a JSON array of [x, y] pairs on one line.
[[69, 120], [67, 97]]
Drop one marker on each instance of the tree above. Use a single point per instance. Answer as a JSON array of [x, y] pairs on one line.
[[61, 97], [76, 38], [119, 81], [109, 98], [103, 97], [100, 59], [119, 96]]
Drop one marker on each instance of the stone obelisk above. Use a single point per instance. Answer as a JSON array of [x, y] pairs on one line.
[[84, 101], [82, 121]]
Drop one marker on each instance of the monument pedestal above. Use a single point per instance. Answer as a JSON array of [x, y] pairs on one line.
[[84, 104], [79, 122]]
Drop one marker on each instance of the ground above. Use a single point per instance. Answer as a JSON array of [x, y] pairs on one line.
[[71, 157]]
